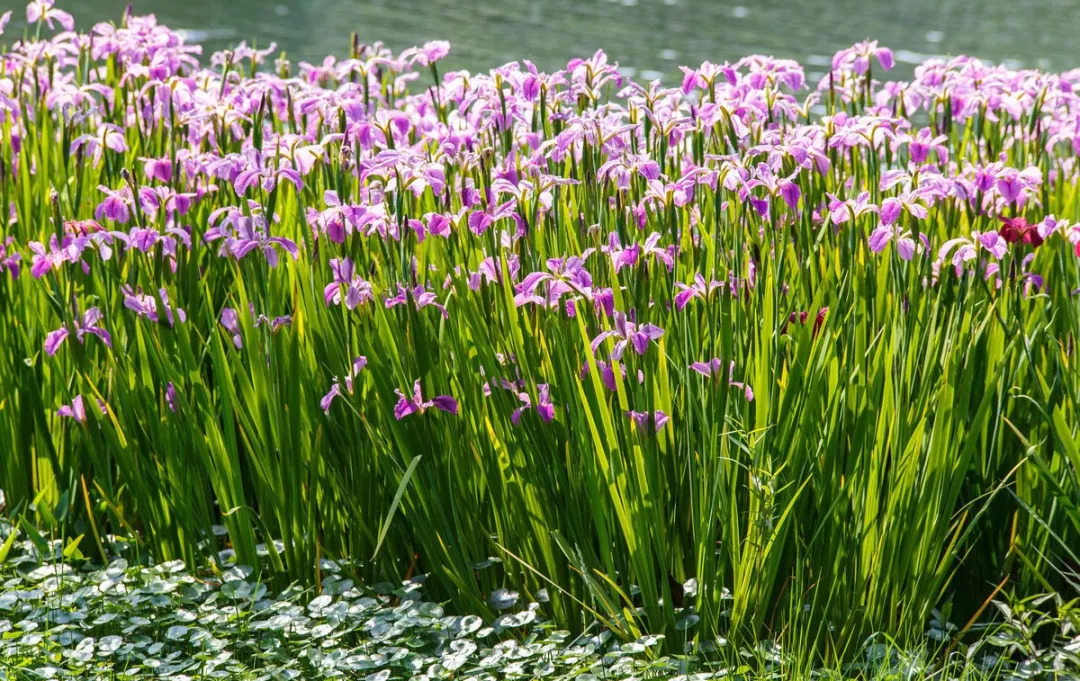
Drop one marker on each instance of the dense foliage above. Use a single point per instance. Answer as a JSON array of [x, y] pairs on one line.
[[800, 359], [63, 618]]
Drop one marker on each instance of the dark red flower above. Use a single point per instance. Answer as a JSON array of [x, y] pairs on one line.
[[801, 318], [820, 319], [1015, 230], [1012, 229]]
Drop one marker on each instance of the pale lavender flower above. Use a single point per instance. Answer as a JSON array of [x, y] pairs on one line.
[[1015, 185], [620, 257], [663, 254], [622, 170], [894, 206], [967, 249], [921, 144], [430, 53], [481, 220], [43, 10], [857, 57], [76, 410]]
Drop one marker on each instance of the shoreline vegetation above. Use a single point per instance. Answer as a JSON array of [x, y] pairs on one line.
[[747, 359]]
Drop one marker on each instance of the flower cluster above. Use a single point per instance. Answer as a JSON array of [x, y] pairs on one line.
[[512, 198]]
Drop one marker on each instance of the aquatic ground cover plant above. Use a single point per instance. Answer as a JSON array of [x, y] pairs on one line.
[[800, 357], [63, 617]]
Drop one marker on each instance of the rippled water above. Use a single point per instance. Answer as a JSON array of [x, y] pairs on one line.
[[652, 37]]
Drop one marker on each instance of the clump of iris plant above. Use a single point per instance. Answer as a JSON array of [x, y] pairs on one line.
[[691, 328]]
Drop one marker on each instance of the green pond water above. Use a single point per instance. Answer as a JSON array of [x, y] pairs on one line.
[[649, 38]]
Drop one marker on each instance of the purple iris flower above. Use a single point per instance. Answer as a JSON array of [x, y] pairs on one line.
[[714, 369], [275, 324], [641, 419], [607, 373], [628, 334], [699, 289], [44, 260], [115, 206], [857, 57], [251, 235], [170, 397], [338, 218], [357, 290], [438, 224], [544, 407], [1013, 184], [415, 403], [88, 323], [564, 276], [108, 136], [145, 305], [77, 409], [892, 207], [621, 257], [921, 144], [663, 254], [267, 178], [231, 321], [9, 262], [622, 170], [358, 364], [906, 245], [480, 221], [421, 299], [158, 169]]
